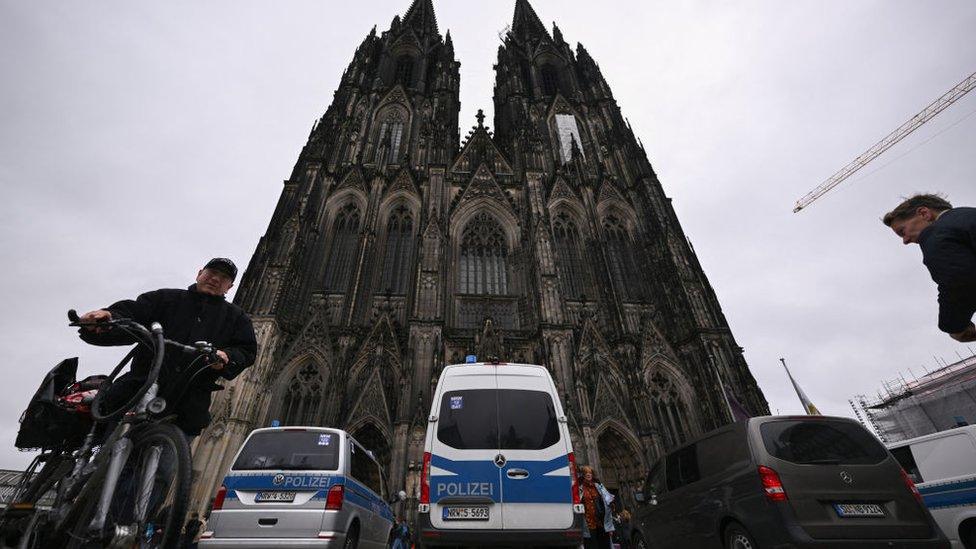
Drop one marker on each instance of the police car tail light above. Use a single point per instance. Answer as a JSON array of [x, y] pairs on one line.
[[218, 503], [572, 475], [333, 502], [911, 485], [771, 483], [425, 479]]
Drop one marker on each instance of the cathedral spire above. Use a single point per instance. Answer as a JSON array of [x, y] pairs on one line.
[[421, 17], [526, 22]]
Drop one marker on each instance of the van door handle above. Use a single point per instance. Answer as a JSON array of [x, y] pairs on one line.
[[267, 521], [517, 474]]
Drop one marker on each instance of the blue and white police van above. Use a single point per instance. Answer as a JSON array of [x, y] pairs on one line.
[[301, 487], [498, 466], [943, 467]]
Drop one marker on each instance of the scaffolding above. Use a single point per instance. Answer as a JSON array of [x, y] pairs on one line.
[[942, 399]]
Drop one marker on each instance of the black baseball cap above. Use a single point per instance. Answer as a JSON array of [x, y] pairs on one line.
[[223, 265]]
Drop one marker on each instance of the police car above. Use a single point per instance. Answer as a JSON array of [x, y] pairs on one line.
[[301, 487], [498, 462]]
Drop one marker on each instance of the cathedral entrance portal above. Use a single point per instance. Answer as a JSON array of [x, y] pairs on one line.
[[621, 467], [373, 439]]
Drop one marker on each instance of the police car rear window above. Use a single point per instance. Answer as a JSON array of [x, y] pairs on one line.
[[290, 451], [811, 442], [508, 419]]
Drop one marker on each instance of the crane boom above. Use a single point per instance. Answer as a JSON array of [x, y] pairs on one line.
[[880, 147]]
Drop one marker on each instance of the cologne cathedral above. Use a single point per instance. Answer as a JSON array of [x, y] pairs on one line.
[[399, 245]]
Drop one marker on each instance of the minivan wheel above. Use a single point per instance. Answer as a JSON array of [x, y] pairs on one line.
[[638, 542], [352, 538], [736, 537]]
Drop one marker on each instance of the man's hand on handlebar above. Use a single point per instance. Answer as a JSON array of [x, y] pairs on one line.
[[222, 360], [93, 317]]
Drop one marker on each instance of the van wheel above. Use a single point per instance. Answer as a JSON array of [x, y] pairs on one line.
[[638, 542], [736, 537], [352, 538]]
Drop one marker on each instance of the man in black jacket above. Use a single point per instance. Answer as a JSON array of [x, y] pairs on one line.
[[947, 237], [199, 313]]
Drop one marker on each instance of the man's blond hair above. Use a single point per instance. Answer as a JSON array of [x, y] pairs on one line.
[[908, 208]]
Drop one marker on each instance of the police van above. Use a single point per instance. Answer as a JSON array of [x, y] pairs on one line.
[[301, 487], [498, 464], [943, 467]]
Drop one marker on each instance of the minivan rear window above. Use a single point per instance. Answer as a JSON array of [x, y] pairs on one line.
[[809, 442], [508, 419], [290, 451]]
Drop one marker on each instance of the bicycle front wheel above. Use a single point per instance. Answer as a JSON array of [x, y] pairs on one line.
[[151, 494]]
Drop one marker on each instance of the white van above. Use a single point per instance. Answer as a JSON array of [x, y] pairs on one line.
[[301, 487], [498, 461], [943, 467]]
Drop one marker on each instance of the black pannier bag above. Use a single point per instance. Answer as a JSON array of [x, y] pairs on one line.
[[45, 423]]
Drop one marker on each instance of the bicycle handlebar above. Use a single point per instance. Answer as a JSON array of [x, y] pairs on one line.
[[153, 338]]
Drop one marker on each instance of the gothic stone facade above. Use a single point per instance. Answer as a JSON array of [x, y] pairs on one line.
[[398, 247]]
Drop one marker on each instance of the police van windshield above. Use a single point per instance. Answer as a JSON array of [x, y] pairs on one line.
[[290, 451], [508, 419]]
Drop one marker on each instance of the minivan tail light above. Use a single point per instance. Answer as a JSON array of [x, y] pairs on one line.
[[911, 486], [425, 479], [218, 502], [572, 475], [771, 483], [333, 501]]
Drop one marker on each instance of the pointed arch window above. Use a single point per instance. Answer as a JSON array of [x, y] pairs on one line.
[[399, 251], [620, 259], [484, 257], [390, 136], [302, 401], [569, 251], [404, 70], [550, 80], [345, 243], [670, 413]]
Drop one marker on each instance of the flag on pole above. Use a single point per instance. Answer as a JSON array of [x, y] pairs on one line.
[[808, 406]]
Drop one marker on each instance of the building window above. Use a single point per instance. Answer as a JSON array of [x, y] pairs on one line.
[[345, 243], [399, 251], [620, 256], [550, 80], [388, 144], [568, 249], [484, 257], [404, 71], [568, 131], [303, 397]]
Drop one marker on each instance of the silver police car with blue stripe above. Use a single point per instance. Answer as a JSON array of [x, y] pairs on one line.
[[301, 487]]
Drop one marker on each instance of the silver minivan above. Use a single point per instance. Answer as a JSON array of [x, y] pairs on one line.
[[301, 487], [498, 465]]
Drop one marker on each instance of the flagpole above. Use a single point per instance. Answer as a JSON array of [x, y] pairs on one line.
[[721, 384], [808, 407]]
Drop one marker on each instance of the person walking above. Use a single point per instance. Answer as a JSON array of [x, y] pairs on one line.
[[947, 237], [597, 504], [624, 530], [401, 535]]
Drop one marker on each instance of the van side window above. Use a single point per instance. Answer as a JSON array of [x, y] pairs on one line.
[[722, 452], [655, 481], [907, 462], [682, 467], [365, 470]]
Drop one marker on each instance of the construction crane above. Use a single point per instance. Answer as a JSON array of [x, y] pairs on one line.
[[880, 147]]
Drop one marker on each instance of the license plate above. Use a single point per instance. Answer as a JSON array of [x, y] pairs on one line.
[[859, 510], [279, 497], [465, 513]]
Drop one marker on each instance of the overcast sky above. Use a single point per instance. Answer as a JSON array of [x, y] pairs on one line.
[[139, 139]]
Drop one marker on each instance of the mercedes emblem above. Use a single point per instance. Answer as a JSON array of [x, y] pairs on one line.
[[500, 461], [846, 477]]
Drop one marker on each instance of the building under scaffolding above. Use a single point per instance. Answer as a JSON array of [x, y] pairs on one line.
[[939, 400]]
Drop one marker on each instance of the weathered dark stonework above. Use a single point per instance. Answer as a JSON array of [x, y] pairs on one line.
[[394, 241]]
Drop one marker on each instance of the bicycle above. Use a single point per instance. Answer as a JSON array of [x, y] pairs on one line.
[[125, 488]]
